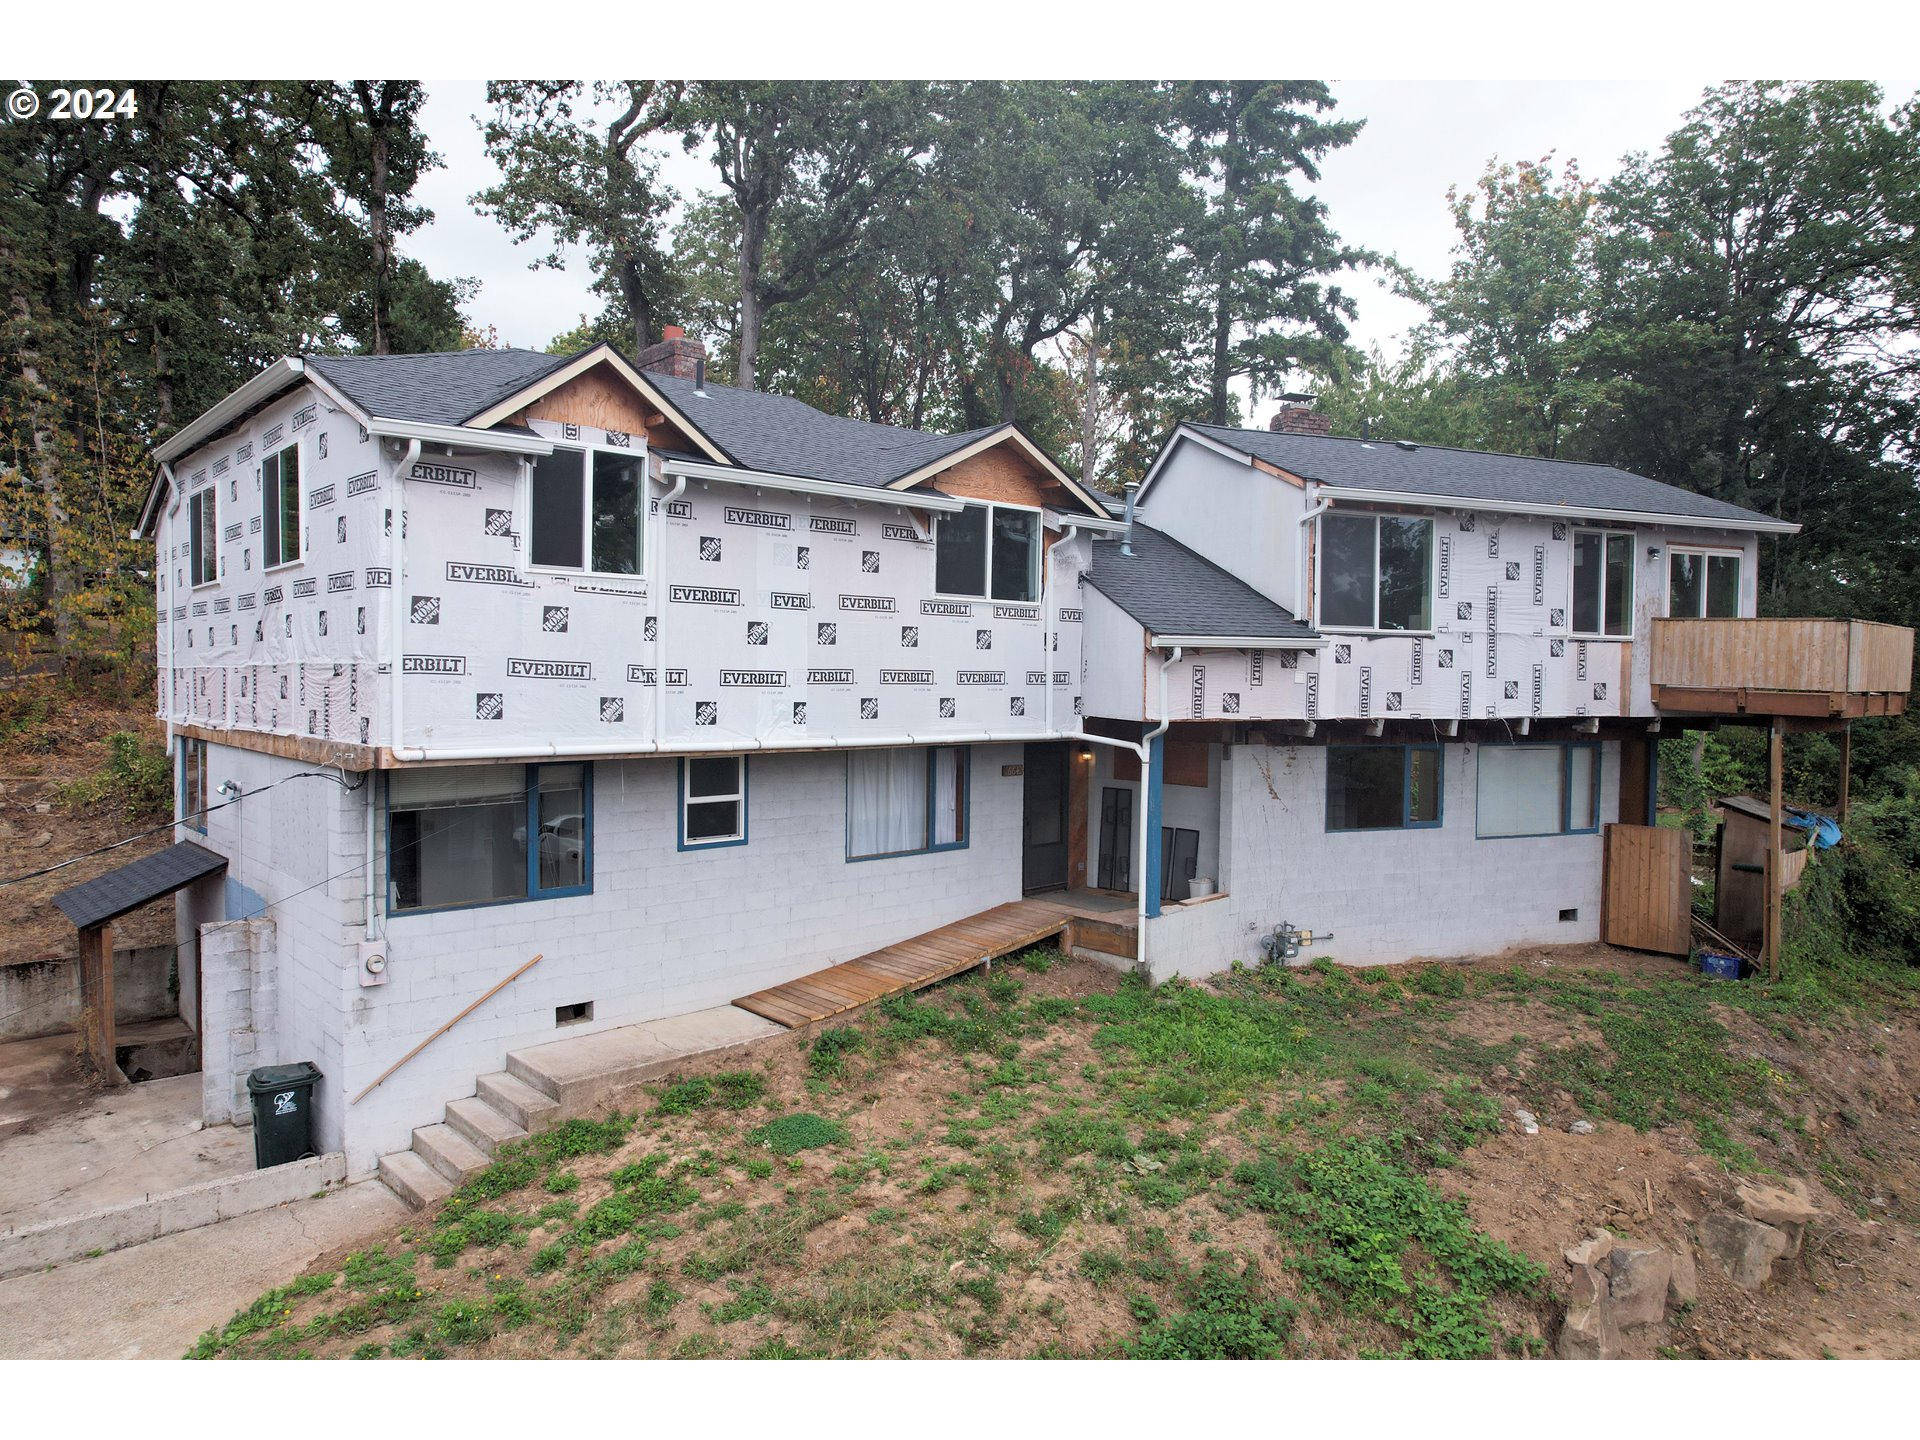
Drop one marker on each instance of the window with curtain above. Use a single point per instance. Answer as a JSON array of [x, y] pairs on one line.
[[485, 834], [1376, 572], [990, 552], [903, 802], [1538, 790], [280, 507], [713, 800], [1703, 585], [1383, 787], [1602, 582]]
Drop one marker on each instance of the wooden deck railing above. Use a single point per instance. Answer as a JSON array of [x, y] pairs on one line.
[[1830, 657]]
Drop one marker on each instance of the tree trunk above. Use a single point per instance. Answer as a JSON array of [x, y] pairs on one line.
[[378, 114], [639, 307], [754, 219], [1090, 408]]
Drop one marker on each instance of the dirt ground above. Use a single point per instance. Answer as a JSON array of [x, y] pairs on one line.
[[939, 1226]]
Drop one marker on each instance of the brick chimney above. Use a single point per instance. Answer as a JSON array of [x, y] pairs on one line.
[[674, 355], [1296, 416]]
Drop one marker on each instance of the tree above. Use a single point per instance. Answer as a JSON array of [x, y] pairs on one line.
[[1413, 397], [575, 165], [1261, 252], [805, 165]]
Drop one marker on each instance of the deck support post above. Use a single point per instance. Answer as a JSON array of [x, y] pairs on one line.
[[1773, 875], [1846, 772], [96, 999]]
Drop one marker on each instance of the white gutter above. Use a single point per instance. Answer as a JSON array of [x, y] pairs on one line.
[[1088, 522], [660, 620], [396, 605], [459, 437], [1307, 517], [1048, 631], [1578, 512], [806, 485], [256, 392], [1239, 642]]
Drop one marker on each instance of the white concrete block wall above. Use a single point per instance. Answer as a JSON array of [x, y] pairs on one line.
[[1386, 895]]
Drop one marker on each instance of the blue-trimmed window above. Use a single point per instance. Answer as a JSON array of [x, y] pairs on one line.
[[1383, 787], [193, 784], [713, 801], [1538, 789], [906, 802], [488, 835]]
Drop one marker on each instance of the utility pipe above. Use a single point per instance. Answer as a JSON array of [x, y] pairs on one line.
[[660, 617], [163, 558], [397, 635], [1307, 517]]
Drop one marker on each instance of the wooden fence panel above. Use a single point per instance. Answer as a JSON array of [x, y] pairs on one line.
[[1647, 902]]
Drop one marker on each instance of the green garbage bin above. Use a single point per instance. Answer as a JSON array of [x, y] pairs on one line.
[[282, 1112]]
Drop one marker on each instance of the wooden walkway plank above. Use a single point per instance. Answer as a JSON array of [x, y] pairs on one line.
[[914, 963]]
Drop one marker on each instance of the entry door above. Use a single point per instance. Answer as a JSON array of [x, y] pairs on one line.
[[1116, 839], [1044, 855]]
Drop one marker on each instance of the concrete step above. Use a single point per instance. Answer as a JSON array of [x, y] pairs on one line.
[[481, 1124], [449, 1152], [583, 1070], [413, 1180], [525, 1106]]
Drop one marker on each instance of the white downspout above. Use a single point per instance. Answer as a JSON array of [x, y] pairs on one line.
[[660, 621], [164, 560], [1067, 532], [1307, 517], [397, 610]]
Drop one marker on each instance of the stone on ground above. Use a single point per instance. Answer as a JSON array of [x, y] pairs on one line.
[[1745, 1249]]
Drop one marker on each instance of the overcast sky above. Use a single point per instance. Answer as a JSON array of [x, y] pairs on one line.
[[1386, 191]]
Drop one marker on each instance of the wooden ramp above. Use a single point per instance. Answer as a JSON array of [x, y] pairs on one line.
[[914, 963]]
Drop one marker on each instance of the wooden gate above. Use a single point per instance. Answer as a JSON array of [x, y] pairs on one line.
[[1648, 889]]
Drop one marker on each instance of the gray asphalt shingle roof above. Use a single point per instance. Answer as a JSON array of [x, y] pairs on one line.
[[1173, 591], [129, 886], [789, 437], [444, 388], [1468, 475]]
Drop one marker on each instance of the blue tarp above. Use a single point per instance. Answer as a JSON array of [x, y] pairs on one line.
[[1824, 832]]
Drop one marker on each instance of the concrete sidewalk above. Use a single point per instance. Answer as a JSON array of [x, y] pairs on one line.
[[153, 1301]]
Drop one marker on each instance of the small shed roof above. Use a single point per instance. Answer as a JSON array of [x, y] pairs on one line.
[[128, 887]]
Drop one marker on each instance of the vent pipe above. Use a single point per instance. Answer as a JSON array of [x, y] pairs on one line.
[[1126, 542]]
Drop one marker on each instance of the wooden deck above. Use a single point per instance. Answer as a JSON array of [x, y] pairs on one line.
[[918, 962]]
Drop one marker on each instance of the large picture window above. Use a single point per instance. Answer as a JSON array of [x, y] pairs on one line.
[[1602, 582], [588, 512], [1376, 572], [903, 802], [280, 507], [486, 834], [1383, 787], [203, 537], [990, 552], [1703, 584], [713, 801], [1538, 790]]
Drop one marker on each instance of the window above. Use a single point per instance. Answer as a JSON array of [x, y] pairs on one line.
[[459, 836], [989, 551], [903, 802], [713, 801], [1703, 584], [203, 537], [1383, 787], [1602, 582], [280, 507], [193, 784], [1538, 790], [588, 512], [1376, 572]]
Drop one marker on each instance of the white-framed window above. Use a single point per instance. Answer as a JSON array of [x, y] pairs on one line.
[[280, 507], [203, 536], [1603, 583], [713, 801], [1703, 584], [193, 784], [988, 552], [588, 511], [1548, 789], [1376, 572], [906, 802]]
